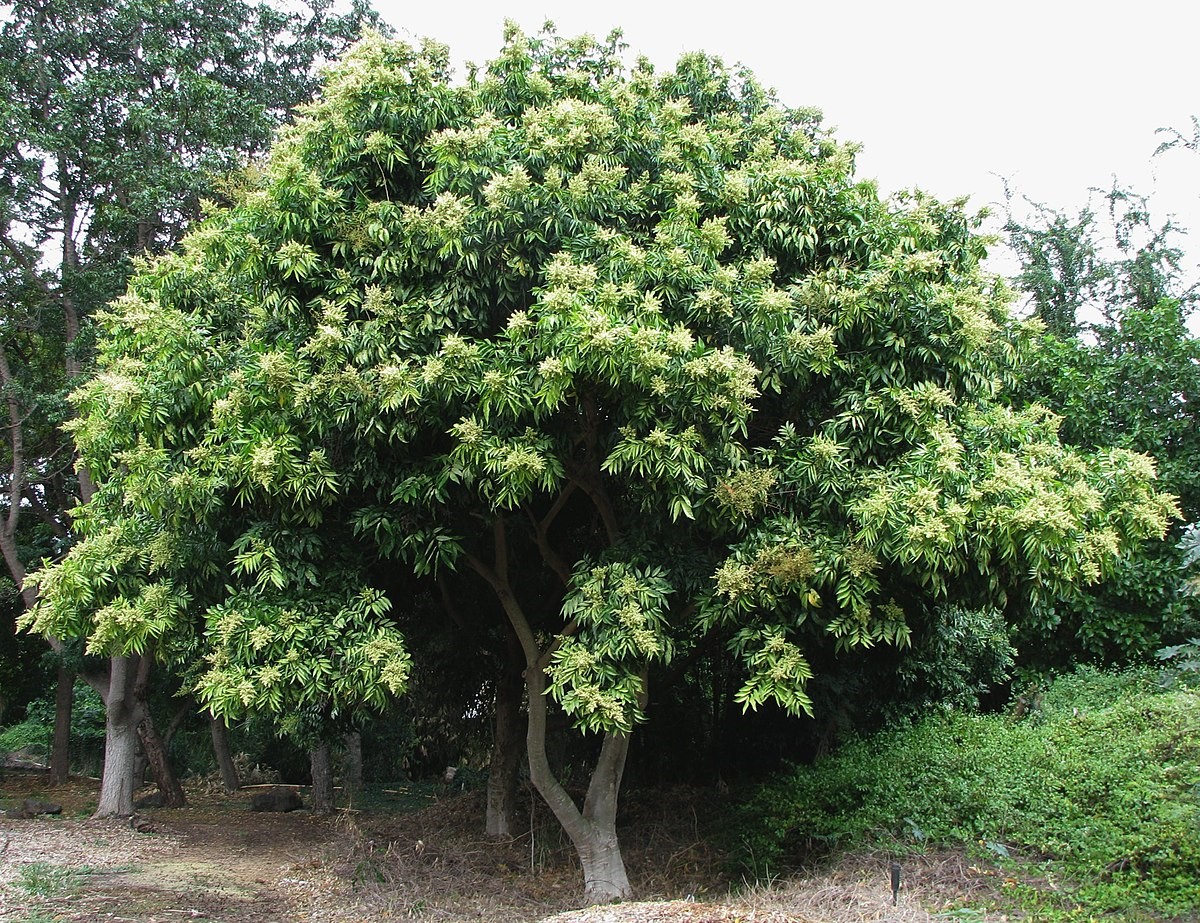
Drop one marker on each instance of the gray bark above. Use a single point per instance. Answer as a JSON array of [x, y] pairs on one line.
[[122, 717], [593, 830]]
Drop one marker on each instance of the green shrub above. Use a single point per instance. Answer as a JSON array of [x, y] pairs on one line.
[[1102, 782], [35, 733]]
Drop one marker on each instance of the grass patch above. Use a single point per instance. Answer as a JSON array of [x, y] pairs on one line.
[[44, 879], [1096, 789]]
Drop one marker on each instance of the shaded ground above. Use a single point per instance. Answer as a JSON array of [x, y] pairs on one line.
[[216, 861]]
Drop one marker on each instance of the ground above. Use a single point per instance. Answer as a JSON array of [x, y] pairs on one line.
[[216, 861]]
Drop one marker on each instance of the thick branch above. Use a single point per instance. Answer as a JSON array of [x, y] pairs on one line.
[[497, 578], [29, 268], [541, 530], [43, 512], [16, 436]]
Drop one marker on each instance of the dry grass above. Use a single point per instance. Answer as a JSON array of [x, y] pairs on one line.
[[435, 864]]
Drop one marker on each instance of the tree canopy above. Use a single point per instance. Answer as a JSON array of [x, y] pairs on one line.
[[634, 351], [115, 118]]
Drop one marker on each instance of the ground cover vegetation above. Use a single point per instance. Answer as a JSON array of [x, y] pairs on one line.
[[634, 354], [1094, 787]]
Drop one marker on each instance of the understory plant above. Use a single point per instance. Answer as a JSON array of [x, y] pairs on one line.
[[1098, 784]]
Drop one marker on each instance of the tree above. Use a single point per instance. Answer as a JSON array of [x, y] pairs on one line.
[[114, 120], [1120, 365], [634, 354]]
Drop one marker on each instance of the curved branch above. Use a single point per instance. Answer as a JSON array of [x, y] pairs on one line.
[[541, 529]]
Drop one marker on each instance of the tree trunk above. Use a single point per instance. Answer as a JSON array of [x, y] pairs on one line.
[[593, 832], [152, 744], [160, 765], [117, 782], [322, 780], [60, 750], [352, 781], [225, 764], [603, 868], [604, 876], [506, 751]]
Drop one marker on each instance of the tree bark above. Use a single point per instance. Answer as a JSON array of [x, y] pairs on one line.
[[322, 780], [225, 764], [153, 748], [352, 781], [507, 732], [156, 756], [117, 782], [592, 831], [60, 750]]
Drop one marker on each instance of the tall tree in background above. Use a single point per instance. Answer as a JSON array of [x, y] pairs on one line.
[[634, 353], [115, 118], [1119, 363]]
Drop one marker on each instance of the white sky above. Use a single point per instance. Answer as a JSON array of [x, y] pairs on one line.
[[948, 95]]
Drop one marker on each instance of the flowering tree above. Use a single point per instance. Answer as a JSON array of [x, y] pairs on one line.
[[634, 352]]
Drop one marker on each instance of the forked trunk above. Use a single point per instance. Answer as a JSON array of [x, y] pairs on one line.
[[60, 751], [322, 780], [220, 741], [593, 831]]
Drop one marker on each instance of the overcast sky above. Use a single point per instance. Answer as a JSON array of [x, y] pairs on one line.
[[948, 95]]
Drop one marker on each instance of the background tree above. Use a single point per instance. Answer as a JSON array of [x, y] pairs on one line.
[[635, 353], [114, 120], [1120, 364]]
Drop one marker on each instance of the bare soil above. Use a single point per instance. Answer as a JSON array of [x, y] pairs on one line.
[[216, 861]]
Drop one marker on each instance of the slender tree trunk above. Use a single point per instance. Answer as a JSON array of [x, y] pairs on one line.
[[153, 748], [352, 782], [225, 764], [117, 783], [322, 780], [156, 756], [16, 485], [60, 750], [505, 764]]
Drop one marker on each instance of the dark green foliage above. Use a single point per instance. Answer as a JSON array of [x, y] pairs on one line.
[[21, 675], [1181, 663], [1099, 783], [33, 733], [1120, 365]]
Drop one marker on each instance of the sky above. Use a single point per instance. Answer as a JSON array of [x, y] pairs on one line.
[[1055, 96]]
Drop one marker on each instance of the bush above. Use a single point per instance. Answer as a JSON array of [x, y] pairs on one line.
[[1102, 782]]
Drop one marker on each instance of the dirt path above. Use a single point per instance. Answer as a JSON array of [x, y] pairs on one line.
[[194, 866]]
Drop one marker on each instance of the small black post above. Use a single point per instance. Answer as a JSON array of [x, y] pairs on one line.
[[895, 883]]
